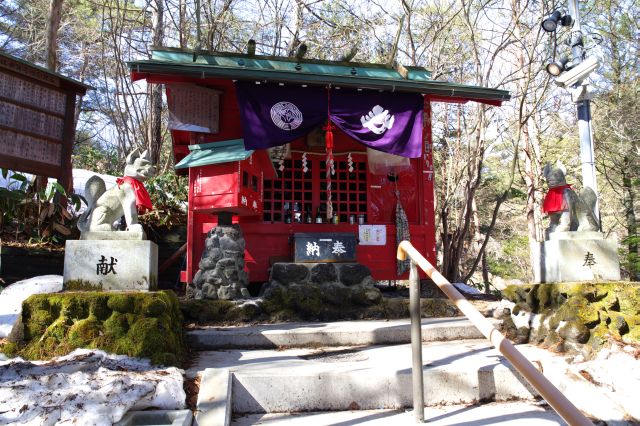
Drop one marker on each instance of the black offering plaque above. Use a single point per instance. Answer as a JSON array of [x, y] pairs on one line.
[[324, 247]]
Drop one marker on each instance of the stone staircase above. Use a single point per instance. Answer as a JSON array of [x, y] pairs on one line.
[[357, 372]]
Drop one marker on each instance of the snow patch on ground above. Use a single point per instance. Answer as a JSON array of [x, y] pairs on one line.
[[87, 387], [616, 371], [12, 297]]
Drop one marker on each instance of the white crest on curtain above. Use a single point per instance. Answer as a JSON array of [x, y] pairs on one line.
[[378, 120]]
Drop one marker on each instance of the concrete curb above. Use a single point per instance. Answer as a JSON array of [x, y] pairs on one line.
[[214, 399], [157, 418], [346, 333]]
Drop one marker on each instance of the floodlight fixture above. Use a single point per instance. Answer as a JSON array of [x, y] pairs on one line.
[[556, 68], [550, 23]]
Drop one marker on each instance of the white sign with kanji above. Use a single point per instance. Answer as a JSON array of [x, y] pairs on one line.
[[372, 235]]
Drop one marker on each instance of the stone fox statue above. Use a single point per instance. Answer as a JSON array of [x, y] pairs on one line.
[[126, 198], [567, 210]]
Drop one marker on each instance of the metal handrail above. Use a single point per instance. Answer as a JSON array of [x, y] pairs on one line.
[[545, 388]]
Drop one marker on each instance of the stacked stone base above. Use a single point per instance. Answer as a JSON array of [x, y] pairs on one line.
[[221, 274], [310, 288]]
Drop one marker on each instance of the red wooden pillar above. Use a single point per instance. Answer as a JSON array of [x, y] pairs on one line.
[[187, 275], [428, 187]]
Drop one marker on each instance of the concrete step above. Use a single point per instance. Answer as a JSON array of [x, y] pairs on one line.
[[350, 378], [507, 413], [345, 333]]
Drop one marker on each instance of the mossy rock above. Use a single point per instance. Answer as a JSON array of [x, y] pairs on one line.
[[10, 349], [117, 325], [138, 324], [581, 316], [74, 307], [84, 332], [154, 307], [81, 285], [206, 311], [122, 303], [39, 320], [99, 308]]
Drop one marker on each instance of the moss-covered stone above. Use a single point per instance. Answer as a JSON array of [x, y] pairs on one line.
[[83, 332], [81, 285], [580, 316], [99, 308], [121, 302], [145, 324], [154, 307], [10, 349], [206, 311], [117, 325]]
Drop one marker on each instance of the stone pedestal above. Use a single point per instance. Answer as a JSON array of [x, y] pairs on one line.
[[124, 265], [221, 273], [308, 287], [576, 256]]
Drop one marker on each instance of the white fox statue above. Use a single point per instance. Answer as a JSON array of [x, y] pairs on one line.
[[567, 210], [104, 207]]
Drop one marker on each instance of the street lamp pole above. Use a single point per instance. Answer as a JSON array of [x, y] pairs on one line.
[[582, 99]]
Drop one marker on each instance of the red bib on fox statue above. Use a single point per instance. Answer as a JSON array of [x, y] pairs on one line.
[[553, 201], [143, 201]]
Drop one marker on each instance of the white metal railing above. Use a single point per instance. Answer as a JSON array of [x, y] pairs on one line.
[[545, 388]]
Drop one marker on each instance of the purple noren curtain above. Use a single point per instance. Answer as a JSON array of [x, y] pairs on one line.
[[273, 115]]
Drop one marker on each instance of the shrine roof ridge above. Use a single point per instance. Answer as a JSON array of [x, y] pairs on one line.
[[238, 66], [214, 153]]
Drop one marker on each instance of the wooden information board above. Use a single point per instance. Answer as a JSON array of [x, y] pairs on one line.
[[193, 108], [37, 113]]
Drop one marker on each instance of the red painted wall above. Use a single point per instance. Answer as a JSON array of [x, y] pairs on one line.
[[267, 242]]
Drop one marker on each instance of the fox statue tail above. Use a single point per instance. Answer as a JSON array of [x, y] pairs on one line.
[[590, 198], [93, 189]]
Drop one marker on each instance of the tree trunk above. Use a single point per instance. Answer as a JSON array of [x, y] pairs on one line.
[[182, 30], [485, 274], [632, 228], [155, 90], [53, 25]]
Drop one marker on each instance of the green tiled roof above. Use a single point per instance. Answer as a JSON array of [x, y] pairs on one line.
[[236, 66], [214, 153]]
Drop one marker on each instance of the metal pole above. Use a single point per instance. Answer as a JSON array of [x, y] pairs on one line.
[[587, 157], [416, 343], [583, 105]]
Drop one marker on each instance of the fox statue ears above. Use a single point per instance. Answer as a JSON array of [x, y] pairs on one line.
[[547, 168], [136, 154]]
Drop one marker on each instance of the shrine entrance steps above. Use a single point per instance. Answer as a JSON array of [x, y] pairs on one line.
[[357, 372]]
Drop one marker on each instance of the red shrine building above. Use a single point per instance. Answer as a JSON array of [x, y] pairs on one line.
[[286, 147]]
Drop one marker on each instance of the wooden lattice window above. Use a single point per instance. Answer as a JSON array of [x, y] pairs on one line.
[[309, 189], [348, 189]]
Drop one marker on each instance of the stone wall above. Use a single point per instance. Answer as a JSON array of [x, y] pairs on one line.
[[221, 272], [574, 317], [308, 288]]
